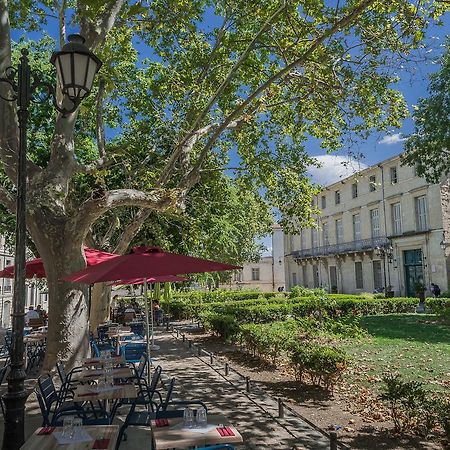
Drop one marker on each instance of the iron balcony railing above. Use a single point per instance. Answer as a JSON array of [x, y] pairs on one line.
[[344, 247]]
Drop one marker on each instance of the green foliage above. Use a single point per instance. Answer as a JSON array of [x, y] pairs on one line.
[[222, 325], [323, 364], [412, 408], [428, 147], [404, 399], [301, 291]]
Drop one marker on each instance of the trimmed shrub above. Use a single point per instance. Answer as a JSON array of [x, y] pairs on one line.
[[223, 325]]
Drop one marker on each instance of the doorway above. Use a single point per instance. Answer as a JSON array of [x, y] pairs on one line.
[[412, 260], [333, 279]]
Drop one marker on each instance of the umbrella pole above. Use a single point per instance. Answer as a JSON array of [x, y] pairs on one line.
[[151, 315], [148, 330]]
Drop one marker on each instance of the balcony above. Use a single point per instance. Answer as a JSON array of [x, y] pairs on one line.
[[362, 245]]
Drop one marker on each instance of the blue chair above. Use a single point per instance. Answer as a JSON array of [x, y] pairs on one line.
[[133, 351], [162, 411]]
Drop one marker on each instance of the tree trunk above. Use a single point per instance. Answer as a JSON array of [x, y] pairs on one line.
[[68, 314], [100, 302]]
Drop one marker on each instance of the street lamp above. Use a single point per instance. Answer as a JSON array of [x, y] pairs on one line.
[[76, 67]]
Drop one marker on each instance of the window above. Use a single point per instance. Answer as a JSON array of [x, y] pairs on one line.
[[337, 197], [294, 279], [377, 278], [396, 213], [325, 233], [314, 238], [421, 213], [305, 276], [375, 222], [303, 238], [324, 201], [372, 183], [393, 172], [354, 190], [255, 273], [356, 227], [339, 231], [359, 275]]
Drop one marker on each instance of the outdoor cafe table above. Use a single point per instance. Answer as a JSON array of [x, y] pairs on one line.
[[100, 361], [176, 436], [88, 393], [119, 335], [94, 374], [49, 442]]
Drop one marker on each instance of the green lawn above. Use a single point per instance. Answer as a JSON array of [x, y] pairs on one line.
[[414, 345]]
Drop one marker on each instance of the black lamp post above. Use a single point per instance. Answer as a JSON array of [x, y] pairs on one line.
[[76, 67]]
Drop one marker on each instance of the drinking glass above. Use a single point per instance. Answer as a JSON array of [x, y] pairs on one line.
[[188, 417], [76, 426], [67, 426], [201, 417]]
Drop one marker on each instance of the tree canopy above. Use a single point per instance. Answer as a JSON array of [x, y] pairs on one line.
[[429, 146]]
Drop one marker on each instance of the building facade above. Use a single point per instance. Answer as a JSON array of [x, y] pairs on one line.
[[380, 229], [266, 275], [34, 295]]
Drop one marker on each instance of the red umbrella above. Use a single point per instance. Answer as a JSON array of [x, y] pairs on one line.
[[145, 263], [158, 279], [35, 267]]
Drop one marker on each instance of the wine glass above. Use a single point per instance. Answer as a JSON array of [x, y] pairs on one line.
[[67, 426], [188, 417], [201, 417]]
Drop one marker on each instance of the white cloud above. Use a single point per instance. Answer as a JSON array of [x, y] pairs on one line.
[[334, 168], [391, 139]]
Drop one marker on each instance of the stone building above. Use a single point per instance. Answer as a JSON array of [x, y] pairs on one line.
[[381, 228], [34, 296], [266, 275]]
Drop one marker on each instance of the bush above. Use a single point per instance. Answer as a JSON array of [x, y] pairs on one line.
[[300, 291], [222, 325], [411, 406], [323, 364]]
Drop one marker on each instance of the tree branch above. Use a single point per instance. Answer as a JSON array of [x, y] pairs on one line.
[[61, 8], [192, 178], [167, 171], [99, 126], [94, 208], [7, 200]]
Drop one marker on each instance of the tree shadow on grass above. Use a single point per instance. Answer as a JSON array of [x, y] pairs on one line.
[[413, 327]]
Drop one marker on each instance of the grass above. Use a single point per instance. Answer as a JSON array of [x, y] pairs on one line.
[[414, 345]]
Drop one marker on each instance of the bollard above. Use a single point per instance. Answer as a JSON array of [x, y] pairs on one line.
[[247, 384], [198, 324], [280, 408], [184, 338], [211, 358], [190, 343], [177, 332], [333, 441], [199, 351], [226, 369]]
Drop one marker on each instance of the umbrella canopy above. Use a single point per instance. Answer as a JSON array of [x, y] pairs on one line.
[[145, 263], [35, 267], [157, 279]]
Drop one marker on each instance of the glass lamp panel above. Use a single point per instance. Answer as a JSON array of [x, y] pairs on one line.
[[80, 63], [64, 70], [91, 71]]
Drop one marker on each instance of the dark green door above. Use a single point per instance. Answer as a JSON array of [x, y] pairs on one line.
[[413, 270]]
